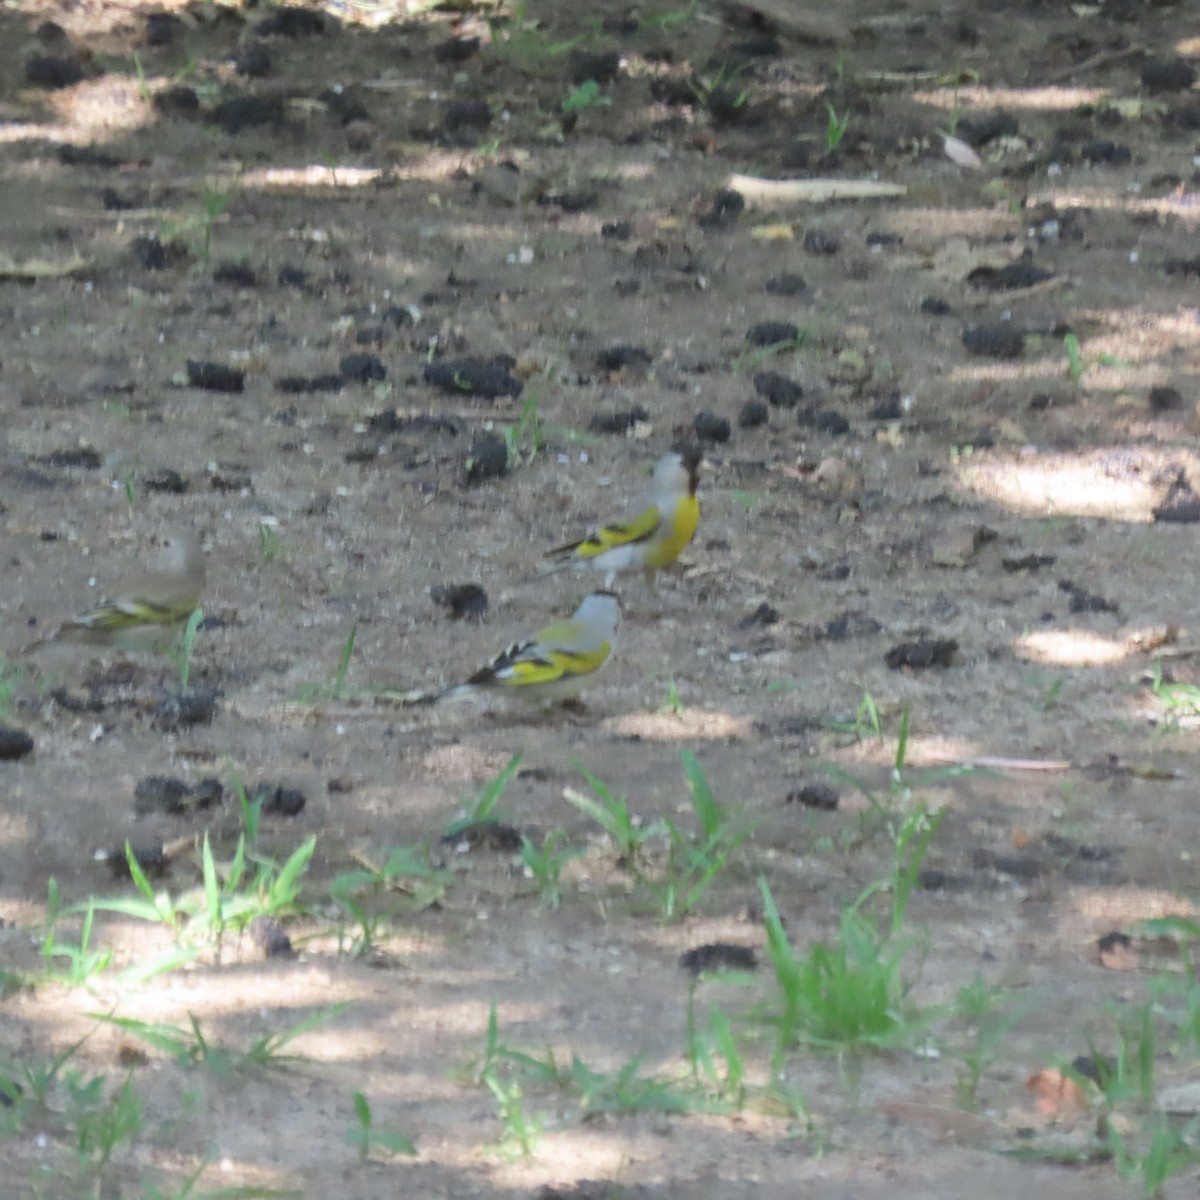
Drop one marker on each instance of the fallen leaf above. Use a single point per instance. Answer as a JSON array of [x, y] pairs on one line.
[[1057, 1094], [773, 233], [40, 268], [762, 192], [958, 152], [1117, 952]]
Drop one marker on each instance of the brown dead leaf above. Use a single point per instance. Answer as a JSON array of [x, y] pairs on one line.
[[837, 477], [957, 258], [40, 268], [1117, 952], [773, 233], [1057, 1094]]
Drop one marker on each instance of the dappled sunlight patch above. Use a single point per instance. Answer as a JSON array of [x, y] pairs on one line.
[[683, 726], [16, 829], [984, 99], [1078, 647], [1120, 906], [1072, 484], [462, 762], [1180, 206], [577, 1153], [96, 110], [936, 225], [315, 175]]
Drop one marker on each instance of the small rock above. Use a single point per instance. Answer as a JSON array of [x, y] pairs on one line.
[[1168, 75], [821, 796], [1083, 601], [711, 428], [935, 306], [621, 357], [617, 231], [1164, 399], [919, 655], [619, 422], [1181, 506], [53, 71], [292, 21], [772, 333], [182, 709], [753, 414], [484, 835], [161, 28], [254, 60], [239, 113], [14, 743], [150, 857], [456, 50], [299, 385], [999, 340], [1109, 153], [825, 420], [602, 66], [762, 617], [487, 458], [165, 481], [215, 377], [278, 801], [817, 241], [237, 274], [269, 936], [1019, 274], [718, 956], [460, 600], [362, 368], [979, 131], [156, 255], [1028, 562], [787, 285], [177, 101], [727, 206], [160, 793], [466, 114], [86, 458], [473, 377], [778, 389]]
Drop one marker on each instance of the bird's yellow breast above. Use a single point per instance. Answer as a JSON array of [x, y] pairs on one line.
[[664, 551]]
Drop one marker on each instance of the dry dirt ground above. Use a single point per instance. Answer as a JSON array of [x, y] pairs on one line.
[[988, 443]]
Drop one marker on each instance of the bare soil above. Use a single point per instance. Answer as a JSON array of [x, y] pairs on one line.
[[396, 202]]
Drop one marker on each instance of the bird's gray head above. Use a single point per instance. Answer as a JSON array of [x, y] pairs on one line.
[[181, 555], [679, 470], [601, 613]]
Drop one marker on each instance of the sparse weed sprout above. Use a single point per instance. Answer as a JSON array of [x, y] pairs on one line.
[[586, 95]]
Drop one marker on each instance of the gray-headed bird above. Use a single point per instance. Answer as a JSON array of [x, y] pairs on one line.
[[656, 532], [142, 606], [554, 664]]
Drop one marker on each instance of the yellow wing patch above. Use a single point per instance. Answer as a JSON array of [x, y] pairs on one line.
[[552, 666], [643, 526], [113, 618]]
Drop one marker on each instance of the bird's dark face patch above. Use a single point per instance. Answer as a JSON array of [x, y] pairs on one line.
[[691, 456]]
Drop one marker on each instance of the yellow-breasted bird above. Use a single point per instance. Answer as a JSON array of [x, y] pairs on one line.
[[554, 664], [143, 604], [656, 533]]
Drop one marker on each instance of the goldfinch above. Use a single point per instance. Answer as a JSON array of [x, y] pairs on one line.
[[145, 603], [553, 665], [655, 536]]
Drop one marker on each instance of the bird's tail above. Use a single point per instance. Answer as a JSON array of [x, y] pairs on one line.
[[428, 699]]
